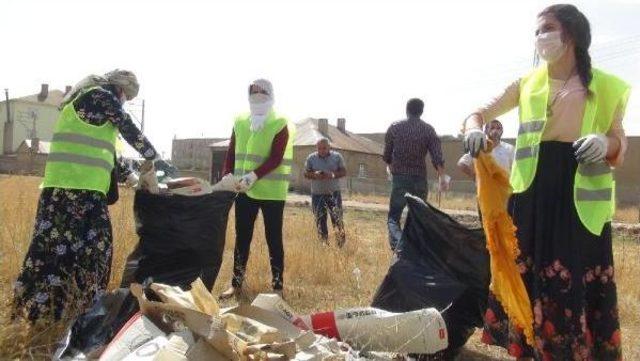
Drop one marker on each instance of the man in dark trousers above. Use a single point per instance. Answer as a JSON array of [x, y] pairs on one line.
[[260, 156], [407, 143], [324, 168]]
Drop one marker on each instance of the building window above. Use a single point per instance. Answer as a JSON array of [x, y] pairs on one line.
[[362, 170]]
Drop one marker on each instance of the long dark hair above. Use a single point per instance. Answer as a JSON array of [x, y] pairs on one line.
[[575, 25]]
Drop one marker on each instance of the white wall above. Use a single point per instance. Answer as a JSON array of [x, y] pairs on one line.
[[22, 115]]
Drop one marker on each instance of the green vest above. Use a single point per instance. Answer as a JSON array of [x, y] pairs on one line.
[[81, 155], [253, 148], [593, 186]]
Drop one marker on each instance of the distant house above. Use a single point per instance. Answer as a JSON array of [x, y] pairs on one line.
[[26, 128], [452, 151], [218, 151], [192, 156], [627, 175], [29, 159], [30, 117], [366, 172]]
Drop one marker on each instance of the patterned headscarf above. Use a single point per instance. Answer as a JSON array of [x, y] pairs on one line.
[[123, 79]]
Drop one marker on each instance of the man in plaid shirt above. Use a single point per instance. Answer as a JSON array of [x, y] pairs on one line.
[[407, 143]]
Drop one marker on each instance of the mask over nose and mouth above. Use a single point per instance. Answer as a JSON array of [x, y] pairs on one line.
[[550, 46], [260, 103]]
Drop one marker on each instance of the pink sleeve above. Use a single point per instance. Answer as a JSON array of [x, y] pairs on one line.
[[502, 103], [617, 131]]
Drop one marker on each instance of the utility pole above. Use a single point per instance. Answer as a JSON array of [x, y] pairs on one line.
[[34, 133], [7, 137], [142, 121], [6, 97]]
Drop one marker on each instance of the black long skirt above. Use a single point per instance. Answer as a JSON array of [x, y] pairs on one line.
[[567, 270]]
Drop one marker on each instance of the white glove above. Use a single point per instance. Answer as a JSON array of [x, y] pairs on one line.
[[227, 183], [389, 177], [246, 182], [592, 148], [132, 180], [147, 166], [148, 179], [474, 141], [443, 182]]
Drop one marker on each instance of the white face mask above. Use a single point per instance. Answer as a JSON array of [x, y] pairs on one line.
[[550, 46], [260, 105]]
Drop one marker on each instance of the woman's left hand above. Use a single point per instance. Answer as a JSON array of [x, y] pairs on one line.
[[591, 148], [132, 180]]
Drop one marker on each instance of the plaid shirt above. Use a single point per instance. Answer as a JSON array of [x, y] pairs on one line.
[[407, 143]]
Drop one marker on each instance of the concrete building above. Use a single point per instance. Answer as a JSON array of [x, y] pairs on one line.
[[29, 117], [451, 150], [218, 152], [29, 159], [627, 176], [366, 172], [22, 120], [192, 156]]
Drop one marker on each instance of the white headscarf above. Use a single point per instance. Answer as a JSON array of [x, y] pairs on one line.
[[260, 104]]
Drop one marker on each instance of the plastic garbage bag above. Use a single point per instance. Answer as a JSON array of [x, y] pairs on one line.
[[181, 238], [440, 264], [92, 331]]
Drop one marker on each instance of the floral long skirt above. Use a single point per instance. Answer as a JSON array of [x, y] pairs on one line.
[[69, 259], [568, 272]]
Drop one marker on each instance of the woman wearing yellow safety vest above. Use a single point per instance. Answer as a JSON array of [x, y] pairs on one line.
[[260, 155], [570, 135], [69, 259]]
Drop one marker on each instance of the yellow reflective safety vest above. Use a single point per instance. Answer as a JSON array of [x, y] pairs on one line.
[[81, 155], [594, 187], [253, 148]]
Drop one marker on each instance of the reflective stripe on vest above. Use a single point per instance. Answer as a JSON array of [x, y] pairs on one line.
[[259, 159], [593, 183], [594, 169], [589, 195], [81, 155], [531, 127], [79, 159], [527, 152], [84, 140], [253, 148], [273, 176]]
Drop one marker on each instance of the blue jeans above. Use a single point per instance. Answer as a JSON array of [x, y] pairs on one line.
[[331, 204], [400, 185]]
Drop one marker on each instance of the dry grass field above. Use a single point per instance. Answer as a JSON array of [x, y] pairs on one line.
[[467, 202], [316, 277]]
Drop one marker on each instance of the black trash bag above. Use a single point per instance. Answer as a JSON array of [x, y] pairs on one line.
[[181, 238], [92, 331], [112, 194], [440, 264]]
